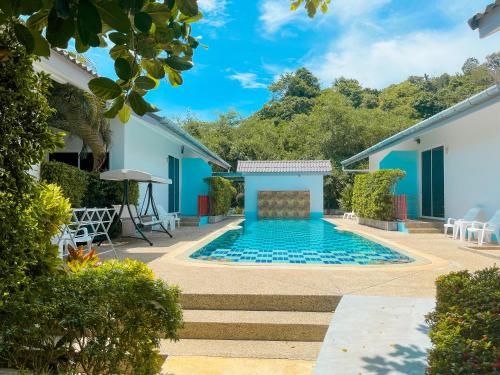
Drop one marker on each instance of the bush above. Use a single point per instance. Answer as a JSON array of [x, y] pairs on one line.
[[345, 200], [220, 193], [26, 248], [372, 196], [72, 180], [25, 138], [101, 193], [103, 320], [465, 326], [240, 200]]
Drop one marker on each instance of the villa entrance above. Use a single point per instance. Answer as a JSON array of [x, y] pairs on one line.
[[433, 182]]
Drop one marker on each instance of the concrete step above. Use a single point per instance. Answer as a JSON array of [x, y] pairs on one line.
[[255, 302], [293, 350], [255, 325], [424, 224], [190, 221], [424, 230]]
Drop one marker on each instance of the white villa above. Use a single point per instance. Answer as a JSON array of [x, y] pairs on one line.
[[150, 143], [451, 159]]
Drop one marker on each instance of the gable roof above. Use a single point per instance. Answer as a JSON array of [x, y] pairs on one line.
[[285, 166], [427, 124]]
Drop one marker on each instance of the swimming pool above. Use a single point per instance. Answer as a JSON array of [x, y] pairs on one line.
[[314, 241]]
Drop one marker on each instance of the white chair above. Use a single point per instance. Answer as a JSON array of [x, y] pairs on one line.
[[481, 230], [168, 219], [460, 226], [71, 237], [349, 215]]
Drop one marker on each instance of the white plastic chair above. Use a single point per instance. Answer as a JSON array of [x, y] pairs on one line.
[[481, 230], [71, 237], [349, 215], [168, 219], [460, 226]]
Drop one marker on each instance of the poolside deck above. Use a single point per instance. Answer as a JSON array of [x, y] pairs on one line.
[[219, 297], [435, 254]]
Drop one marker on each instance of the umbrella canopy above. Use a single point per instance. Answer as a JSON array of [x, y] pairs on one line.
[[133, 175]]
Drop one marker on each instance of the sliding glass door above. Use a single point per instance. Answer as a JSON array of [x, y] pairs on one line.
[[433, 182]]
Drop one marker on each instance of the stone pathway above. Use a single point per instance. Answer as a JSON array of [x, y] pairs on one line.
[[376, 335]]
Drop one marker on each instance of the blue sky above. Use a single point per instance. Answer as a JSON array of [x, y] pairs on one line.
[[251, 43]]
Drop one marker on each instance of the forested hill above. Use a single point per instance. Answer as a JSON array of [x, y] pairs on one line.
[[303, 121]]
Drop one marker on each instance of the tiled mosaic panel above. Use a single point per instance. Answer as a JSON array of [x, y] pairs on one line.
[[283, 204], [296, 241]]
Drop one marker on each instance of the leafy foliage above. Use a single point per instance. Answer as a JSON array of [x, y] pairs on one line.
[[28, 223], [465, 326], [100, 320], [311, 6], [78, 259], [345, 200], [72, 181], [151, 40], [303, 121], [29, 214], [81, 113], [372, 195], [221, 193]]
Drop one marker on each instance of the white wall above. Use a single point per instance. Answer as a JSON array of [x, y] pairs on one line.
[[471, 160], [146, 148], [255, 183]]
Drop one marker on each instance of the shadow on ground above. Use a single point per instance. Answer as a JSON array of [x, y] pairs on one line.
[[408, 360]]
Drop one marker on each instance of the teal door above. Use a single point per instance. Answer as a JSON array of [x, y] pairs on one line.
[[173, 188], [433, 182]]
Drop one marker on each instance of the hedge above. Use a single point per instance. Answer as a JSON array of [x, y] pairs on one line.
[[465, 326], [220, 192], [72, 181], [86, 189], [372, 195]]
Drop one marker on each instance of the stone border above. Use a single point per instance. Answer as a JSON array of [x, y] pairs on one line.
[[182, 254], [379, 224]]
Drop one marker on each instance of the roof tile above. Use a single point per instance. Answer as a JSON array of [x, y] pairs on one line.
[[285, 166]]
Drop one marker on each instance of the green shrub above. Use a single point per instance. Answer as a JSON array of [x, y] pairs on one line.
[[345, 200], [103, 320], [25, 138], [220, 192], [240, 200], [372, 195], [26, 248], [72, 180], [465, 326]]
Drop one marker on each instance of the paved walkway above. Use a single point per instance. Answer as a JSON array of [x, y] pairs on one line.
[[376, 335]]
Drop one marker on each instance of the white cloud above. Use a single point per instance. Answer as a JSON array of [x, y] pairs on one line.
[[345, 10], [274, 14], [214, 12], [248, 80], [377, 62]]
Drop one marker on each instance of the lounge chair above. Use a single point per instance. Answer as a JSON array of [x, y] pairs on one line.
[[71, 237], [349, 215], [460, 226], [490, 228]]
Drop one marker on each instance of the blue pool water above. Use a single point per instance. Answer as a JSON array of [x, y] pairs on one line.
[[296, 241]]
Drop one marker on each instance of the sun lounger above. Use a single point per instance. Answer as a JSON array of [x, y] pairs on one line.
[[459, 226], [482, 230]]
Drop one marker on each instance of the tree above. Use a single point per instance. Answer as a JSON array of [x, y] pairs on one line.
[[82, 114], [292, 94], [470, 64], [151, 40]]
